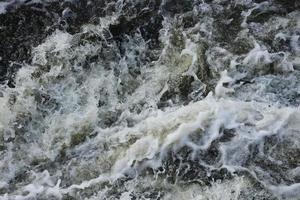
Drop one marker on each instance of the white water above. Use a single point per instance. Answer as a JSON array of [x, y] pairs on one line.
[[124, 135]]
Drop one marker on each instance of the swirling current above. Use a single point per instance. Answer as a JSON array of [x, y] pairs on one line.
[[150, 99]]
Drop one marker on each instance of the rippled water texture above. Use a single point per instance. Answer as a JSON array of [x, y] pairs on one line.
[[150, 99]]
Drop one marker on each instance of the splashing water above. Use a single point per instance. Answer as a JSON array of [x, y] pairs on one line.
[[156, 100]]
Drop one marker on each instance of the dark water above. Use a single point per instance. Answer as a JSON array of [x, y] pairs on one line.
[[150, 99]]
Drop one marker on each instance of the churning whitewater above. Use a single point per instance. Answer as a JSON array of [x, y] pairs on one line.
[[150, 99]]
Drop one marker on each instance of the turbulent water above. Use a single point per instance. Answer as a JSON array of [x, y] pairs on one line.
[[150, 99]]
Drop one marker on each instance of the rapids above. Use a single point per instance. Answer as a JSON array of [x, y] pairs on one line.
[[150, 99]]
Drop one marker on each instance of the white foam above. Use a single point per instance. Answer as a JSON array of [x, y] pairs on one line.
[[124, 148], [227, 190], [3, 6], [258, 56], [220, 90]]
